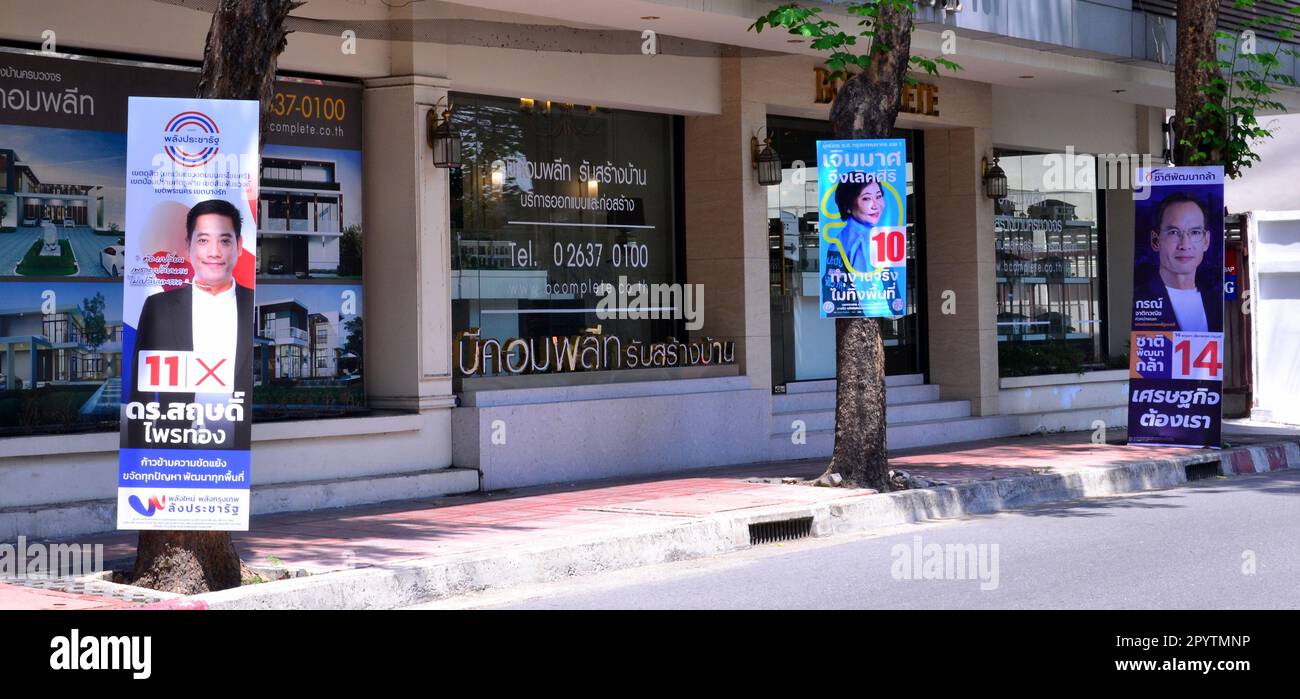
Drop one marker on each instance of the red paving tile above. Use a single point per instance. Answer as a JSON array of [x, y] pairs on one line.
[[17, 597]]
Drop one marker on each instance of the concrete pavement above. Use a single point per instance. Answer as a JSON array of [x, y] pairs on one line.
[[407, 552]]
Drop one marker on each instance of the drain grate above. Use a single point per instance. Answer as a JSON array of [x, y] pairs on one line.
[[1196, 472], [781, 530]]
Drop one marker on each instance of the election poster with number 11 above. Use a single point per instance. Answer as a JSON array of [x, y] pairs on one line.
[[1176, 347], [862, 214], [187, 369]]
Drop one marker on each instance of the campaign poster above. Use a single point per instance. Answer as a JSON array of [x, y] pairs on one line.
[[188, 310], [862, 189], [1176, 346]]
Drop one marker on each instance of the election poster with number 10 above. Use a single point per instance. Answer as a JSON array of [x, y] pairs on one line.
[[1176, 353], [862, 216], [187, 369]]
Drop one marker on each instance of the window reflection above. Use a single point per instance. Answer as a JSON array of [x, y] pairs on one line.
[[1049, 265], [553, 203]]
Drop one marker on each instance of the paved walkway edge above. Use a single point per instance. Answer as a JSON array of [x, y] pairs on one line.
[[430, 579]]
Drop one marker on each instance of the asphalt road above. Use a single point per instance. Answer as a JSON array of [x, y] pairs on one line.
[[1219, 543]]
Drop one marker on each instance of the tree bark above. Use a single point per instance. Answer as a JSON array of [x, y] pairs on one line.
[[866, 107], [239, 59], [243, 44], [1198, 20]]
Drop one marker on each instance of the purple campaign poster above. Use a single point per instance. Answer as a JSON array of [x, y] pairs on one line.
[[1176, 347]]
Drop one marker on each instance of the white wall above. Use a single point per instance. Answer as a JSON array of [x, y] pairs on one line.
[[528, 437], [1275, 321], [1034, 120], [1271, 184]]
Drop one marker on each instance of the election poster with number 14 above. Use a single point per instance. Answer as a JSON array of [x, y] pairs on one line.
[[187, 349], [1176, 353], [862, 214]]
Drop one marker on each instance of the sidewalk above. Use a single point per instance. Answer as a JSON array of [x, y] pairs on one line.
[[393, 534]]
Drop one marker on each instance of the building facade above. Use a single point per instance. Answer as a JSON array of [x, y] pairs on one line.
[[519, 310], [299, 217]]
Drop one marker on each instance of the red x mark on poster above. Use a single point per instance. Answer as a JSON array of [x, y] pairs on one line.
[[212, 371]]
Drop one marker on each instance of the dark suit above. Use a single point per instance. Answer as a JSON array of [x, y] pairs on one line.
[[166, 323], [1153, 287]]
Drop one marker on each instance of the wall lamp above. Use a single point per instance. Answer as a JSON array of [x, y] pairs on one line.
[[995, 179], [444, 140], [765, 159]]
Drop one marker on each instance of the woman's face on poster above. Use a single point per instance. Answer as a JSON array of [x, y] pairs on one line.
[[869, 206]]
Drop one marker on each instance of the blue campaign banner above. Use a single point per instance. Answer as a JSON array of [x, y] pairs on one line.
[[862, 216], [1176, 352], [184, 468]]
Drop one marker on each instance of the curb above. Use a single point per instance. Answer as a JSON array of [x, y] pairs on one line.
[[1260, 459], [429, 579]]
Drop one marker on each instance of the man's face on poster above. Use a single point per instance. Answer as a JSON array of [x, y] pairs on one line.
[[214, 249], [1181, 239]]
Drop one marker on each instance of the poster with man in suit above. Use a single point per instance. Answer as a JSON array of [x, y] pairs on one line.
[[1176, 346], [188, 310]]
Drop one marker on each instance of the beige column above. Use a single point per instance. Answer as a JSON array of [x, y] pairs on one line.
[[726, 226], [1120, 229], [960, 264], [1120, 210], [407, 251]]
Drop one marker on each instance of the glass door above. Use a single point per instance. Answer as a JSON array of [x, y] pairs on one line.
[[803, 343]]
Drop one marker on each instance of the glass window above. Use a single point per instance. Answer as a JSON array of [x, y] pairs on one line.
[[555, 204], [56, 327], [327, 215], [288, 362], [299, 220], [277, 212], [1049, 265]]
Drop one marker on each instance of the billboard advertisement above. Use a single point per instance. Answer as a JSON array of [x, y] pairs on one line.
[[862, 194], [63, 236], [188, 309], [1176, 346]]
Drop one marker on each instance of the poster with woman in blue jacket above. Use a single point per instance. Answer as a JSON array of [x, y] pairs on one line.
[[862, 190]]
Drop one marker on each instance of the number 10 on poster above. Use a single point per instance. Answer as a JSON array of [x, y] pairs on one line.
[[888, 247]]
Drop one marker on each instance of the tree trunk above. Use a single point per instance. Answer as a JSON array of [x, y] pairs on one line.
[[1197, 22], [244, 41], [866, 107], [186, 562], [239, 57]]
